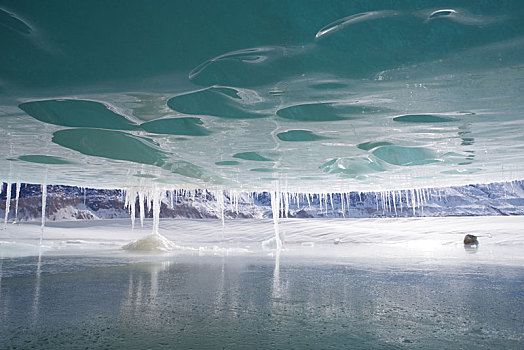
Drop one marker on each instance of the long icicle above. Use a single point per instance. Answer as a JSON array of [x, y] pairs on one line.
[[156, 198], [7, 203], [44, 203], [275, 203], [141, 206], [17, 197]]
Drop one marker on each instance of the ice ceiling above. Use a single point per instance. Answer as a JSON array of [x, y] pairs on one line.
[[315, 95]]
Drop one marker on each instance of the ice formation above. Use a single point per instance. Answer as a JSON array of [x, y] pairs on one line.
[[316, 98], [333, 97]]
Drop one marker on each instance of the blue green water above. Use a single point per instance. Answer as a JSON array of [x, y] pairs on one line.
[[247, 303]]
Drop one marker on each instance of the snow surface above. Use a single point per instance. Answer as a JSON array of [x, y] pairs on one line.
[[404, 241]]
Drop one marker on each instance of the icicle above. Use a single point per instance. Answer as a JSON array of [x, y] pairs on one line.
[[275, 203], [7, 203], [348, 198], [17, 196], [281, 203], [420, 205], [286, 203], [130, 202], [156, 199], [44, 202], [400, 201], [219, 195], [308, 200], [133, 214], [331, 201], [141, 206], [376, 199], [342, 203], [84, 195], [413, 202], [394, 202]]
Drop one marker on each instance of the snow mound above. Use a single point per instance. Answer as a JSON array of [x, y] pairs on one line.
[[153, 242]]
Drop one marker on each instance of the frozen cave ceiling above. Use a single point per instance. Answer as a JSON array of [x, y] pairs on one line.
[[314, 95]]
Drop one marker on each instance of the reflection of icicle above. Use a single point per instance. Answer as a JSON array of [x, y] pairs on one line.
[[7, 203], [17, 196], [36, 297], [1, 270], [276, 290]]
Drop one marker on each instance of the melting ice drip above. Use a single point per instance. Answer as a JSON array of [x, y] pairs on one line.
[[155, 241]]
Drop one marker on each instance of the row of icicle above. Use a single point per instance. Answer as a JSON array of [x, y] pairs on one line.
[[390, 201], [151, 198]]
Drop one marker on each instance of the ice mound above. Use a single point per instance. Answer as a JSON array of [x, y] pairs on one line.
[[151, 243]]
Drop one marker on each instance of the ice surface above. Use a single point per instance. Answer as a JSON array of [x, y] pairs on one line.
[[398, 241], [326, 97]]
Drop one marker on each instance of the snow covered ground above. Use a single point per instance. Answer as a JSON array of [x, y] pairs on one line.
[[406, 241]]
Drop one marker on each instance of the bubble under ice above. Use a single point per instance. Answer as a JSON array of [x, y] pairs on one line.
[[320, 97]]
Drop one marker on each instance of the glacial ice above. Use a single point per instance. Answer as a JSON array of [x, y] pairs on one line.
[[333, 97], [308, 103]]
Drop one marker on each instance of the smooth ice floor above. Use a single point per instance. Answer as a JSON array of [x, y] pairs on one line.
[[420, 289], [238, 302]]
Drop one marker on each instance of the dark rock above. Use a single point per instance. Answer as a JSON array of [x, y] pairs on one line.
[[470, 239]]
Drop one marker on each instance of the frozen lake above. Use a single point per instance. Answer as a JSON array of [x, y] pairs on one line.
[[386, 283]]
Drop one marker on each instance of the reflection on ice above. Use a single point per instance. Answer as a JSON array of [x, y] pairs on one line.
[[188, 302]]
